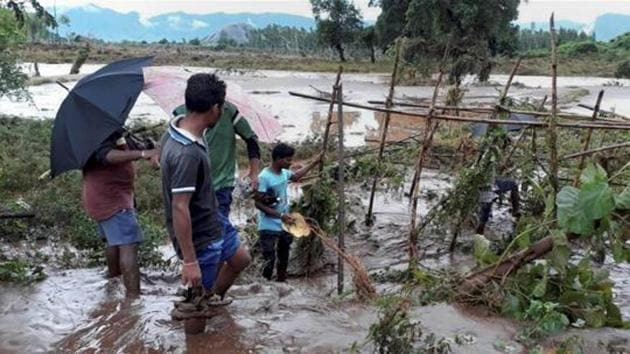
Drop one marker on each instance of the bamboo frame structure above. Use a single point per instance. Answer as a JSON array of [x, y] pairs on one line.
[[341, 206], [388, 104]]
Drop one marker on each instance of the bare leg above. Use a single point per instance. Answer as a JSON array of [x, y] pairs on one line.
[[113, 265], [130, 269], [230, 270]]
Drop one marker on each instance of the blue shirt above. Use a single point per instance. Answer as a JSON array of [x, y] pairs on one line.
[[270, 182]]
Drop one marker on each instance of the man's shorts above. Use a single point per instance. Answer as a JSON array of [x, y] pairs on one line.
[[231, 240], [121, 229], [209, 259]]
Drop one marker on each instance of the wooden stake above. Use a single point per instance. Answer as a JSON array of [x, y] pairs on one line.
[[388, 104], [427, 141], [329, 119], [341, 205], [587, 140], [552, 135]]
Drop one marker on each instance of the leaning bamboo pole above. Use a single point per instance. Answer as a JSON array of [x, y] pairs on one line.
[[341, 203], [587, 140], [329, 119], [427, 141], [569, 124], [552, 133], [388, 104], [598, 150]]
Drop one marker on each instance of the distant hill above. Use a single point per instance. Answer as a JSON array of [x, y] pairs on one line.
[[609, 26], [605, 27], [109, 25], [238, 33]]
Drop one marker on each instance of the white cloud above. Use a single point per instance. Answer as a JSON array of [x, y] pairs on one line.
[[145, 22], [199, 24]]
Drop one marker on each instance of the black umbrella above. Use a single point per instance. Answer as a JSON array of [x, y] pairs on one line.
[[95, 108]]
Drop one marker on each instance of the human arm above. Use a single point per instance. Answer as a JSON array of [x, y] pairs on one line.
[[274, 213], [297, 175], [183, 183], [244, 130], [182, 226]]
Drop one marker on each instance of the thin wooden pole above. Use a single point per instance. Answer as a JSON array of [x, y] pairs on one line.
[[341, 204], [552, 134], [570, 124], [595, 151], [388, 104], [427, 142], [507, 159], [329, 119], [587, 140]]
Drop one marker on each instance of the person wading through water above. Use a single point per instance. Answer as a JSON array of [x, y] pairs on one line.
[[108, 198], [192, 212]]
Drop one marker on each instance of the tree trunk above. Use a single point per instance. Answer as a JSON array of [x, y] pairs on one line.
[[339, 48], [372, 54], [476, 281]]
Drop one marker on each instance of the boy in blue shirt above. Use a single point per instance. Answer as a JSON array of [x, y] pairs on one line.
[[273, 181]]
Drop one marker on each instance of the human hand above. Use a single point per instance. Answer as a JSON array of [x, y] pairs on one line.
[[191, 274], [253, 181], [287, 219], [153, 156]]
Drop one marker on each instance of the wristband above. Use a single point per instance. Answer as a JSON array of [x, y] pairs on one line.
[[191, 263]]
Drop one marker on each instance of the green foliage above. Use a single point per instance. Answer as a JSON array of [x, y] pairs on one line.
[[396, 333], [472, 32], [12, 80], [81, 58], [20, 271], [623, 70], [580, 209], [389, 25], [338, 23], [482, 252], [573, 49]]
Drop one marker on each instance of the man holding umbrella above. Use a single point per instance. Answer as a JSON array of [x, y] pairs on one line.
[[87, 135], [108, 180]]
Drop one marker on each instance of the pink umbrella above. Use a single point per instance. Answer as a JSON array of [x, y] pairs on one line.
[[167, 86]]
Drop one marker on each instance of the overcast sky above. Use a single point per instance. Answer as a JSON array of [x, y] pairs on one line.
[[534, 10]]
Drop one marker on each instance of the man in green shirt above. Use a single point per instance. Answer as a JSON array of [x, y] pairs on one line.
[[221, 141]]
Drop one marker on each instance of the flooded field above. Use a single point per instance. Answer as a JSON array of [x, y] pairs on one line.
[[297, 114], [81, 311]]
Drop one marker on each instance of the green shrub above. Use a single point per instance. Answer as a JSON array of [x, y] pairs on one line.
[[623, 70]]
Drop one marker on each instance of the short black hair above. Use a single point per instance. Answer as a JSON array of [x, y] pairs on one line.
[[204, 91], [282, 151]]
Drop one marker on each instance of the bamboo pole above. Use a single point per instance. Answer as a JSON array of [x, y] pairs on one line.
[[341, 207], [427, 141], [570, 124], [552, 135], [603, 111], [388, 104], [329, 119], [441, 107], [595, 151], [506, 160], [17, 216], [587, 140], [561, 115]]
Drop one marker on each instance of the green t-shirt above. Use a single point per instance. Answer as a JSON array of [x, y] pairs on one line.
[[221, 140]]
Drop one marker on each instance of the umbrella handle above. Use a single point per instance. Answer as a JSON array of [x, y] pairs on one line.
[[62, 85]]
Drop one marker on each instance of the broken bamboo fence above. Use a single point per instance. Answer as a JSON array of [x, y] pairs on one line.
[[388, 104]]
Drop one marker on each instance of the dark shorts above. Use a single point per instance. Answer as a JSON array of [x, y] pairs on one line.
[[209, 259], [231, 239], [121, 229]]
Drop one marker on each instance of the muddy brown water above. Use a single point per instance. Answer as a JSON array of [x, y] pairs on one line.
[[79, 311]]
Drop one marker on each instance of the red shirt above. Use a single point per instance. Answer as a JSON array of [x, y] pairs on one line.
[[107, 189]]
